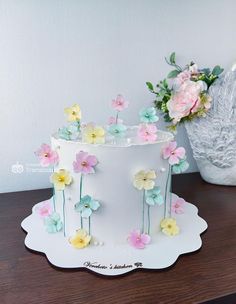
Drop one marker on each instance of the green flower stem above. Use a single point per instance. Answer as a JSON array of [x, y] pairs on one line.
[[53, 197], [149, 220], [53, 194], [80, 197], [89, 222], [167, 184], [64, 217], [170, 191], [117, 116], [143, 211]]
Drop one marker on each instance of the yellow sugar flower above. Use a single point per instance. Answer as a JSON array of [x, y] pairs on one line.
[[144, 180], [94, 134], [169, 227], [73, 113], [81, 239], [61, 179]]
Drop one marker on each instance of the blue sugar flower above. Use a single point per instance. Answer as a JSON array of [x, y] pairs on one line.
[[154, 197], [148, 115], [53, 223], [86, 206], [181, 166], [71, 132], [117, 130]]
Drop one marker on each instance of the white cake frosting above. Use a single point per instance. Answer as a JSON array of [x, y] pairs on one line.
[[112, 184]]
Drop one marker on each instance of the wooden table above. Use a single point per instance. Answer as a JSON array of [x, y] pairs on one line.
[[27, 278]]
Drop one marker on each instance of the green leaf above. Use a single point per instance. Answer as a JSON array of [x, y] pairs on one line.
[[167, 118], [173, 74], [217, 70], [205, 71], [149, 85], [172, 58], [165, 83]]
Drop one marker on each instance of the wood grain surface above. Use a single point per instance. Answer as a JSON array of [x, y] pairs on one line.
[[26, 277]]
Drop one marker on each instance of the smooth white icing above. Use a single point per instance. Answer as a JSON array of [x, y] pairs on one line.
[[112, 185]]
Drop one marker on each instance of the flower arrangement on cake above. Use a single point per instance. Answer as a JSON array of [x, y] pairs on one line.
[[111, 187], [184, 94], [85, 164]]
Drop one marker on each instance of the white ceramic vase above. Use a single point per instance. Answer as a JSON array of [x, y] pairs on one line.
[[213, 138]]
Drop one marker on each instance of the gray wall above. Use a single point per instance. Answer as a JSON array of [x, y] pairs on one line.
[[55, 53]]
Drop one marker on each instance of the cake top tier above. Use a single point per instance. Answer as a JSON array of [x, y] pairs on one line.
[[116, 132]]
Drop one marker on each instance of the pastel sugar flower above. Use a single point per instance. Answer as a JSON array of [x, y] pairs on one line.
[[169, 227], [154, 197], [177, 205], [81, 239], [61, 179], [84, 163], [147, 132], [181, 166], [119, 104], [47, 156], [144, 180], [94, 134], [44, 209], [148, 115], [117, 130], [86, 206], [53, 223], [138, 240], [112, 120], [71, 132], [173, 154], [73, 113]]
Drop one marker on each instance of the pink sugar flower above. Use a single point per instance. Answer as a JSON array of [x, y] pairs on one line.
[[112, 121], [172, 153], [84, 163], [47, 156], [119, 104], [147, 132], [177, 205], [44, 209], [138, 240]]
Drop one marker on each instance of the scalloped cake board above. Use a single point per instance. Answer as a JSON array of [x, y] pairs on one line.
[[117, 259]]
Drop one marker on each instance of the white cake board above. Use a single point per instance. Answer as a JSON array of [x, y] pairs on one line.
[[162, 252]]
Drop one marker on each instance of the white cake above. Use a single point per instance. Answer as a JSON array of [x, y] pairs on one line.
[[112, 209], [120, 209]]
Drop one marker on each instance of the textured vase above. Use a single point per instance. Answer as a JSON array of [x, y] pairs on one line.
[[213, 138]]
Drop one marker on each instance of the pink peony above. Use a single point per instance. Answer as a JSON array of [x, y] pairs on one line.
[[138, 240], [119, 104], [172, 153], [112, 121], [185, 101], [183, 76], [177, 205], [84, 163], [47, 156], [44, 209], [147, 132]]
